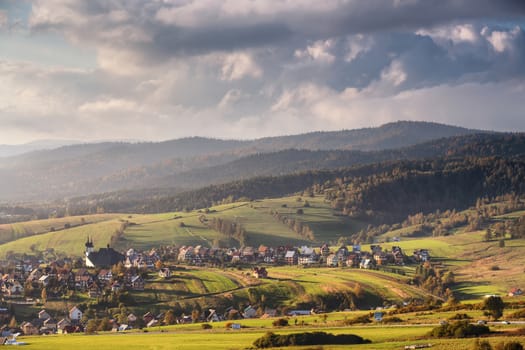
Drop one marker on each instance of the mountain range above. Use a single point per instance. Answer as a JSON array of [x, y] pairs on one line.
[[82, 169]]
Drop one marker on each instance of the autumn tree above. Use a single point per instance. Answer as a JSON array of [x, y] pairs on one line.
[[494, 307]]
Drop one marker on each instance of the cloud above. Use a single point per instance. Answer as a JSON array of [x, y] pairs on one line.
[[247, 68], [239, 65]]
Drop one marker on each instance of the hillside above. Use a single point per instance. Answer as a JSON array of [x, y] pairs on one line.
[[92, 168]]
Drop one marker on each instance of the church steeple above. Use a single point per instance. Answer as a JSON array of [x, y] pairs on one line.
[[89, 246]]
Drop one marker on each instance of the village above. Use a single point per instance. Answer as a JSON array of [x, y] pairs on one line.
[[107, 273]]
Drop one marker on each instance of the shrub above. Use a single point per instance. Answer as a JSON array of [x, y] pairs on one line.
[[481, 345], [270, 340], [460, 329], [280, 322], [460, 317], [392, 319], [357, 319], [513, 345]]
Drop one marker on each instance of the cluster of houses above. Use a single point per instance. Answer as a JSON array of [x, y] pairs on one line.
[[45, 324], [305, 256], [63, 278], [97, 275]]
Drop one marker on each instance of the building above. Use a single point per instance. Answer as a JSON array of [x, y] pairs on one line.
[[75, 314], [105, 257]]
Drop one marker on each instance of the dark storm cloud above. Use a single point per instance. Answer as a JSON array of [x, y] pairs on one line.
[[195, 27]]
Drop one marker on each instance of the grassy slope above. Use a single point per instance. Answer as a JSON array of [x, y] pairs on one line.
[[160, 229], [9, 232], [68, 242]]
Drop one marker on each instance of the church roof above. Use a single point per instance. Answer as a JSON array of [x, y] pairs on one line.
[[105, 257]]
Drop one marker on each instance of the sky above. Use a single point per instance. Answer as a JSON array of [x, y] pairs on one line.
[[163, 69]]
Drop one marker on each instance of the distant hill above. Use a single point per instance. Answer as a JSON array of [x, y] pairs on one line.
[[14, 150], [111, 166]]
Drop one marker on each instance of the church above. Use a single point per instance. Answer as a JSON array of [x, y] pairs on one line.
[[105, 257]]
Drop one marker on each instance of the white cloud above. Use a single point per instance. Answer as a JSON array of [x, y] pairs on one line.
[[455, 33], [319, 51], [112, 105], [501, 40], [230, 99], [239, 65], [358, 44], [394, 74]]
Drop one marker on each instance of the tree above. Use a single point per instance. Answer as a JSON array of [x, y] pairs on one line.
[[43, 295], [494, 306], [488, 235], [13, 323], [91, 326], [169, 317]]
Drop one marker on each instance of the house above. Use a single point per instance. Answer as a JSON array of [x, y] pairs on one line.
[[248, 254], [116, 287], [249, 312], [50, 324], [137, 283], [185, 254], [13, 289], [260, 272], [34, 275], [309, 259], [269, 313], [124, 327], [75, 314], [147, 317], [515, 292], [213, 317], [28, 328], [291, 257], [421, 255], [325, 250], [105, 275], [299, 312], [132, 319], [353, 259], [398, 255], [366, 263], [43, 315], [381, 258], [332, 260], [44, 280], [62, 324], [152, 323], [164, 272], [94, 291]]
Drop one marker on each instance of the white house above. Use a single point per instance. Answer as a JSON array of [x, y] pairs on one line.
[[75, 314]]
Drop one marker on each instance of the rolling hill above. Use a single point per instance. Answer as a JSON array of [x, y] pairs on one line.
[[93, 168]]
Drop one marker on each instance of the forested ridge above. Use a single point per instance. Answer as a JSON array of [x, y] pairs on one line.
[[448, 173], [85, 169]]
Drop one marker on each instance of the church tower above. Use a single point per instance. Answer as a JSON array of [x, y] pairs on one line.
[[89, 246]]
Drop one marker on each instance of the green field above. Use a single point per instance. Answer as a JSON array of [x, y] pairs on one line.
[[181, 228], [382, 337]]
